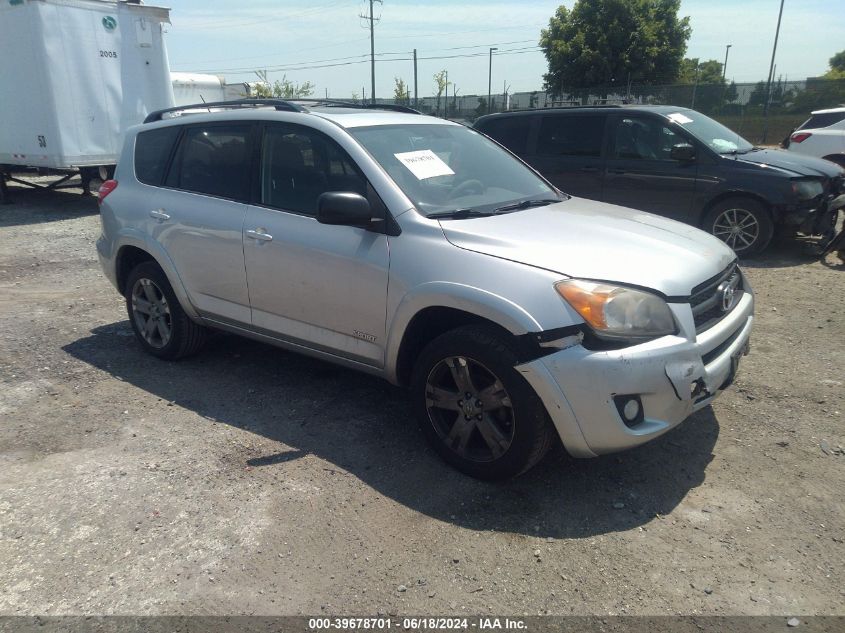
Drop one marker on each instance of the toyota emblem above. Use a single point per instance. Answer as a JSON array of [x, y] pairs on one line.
[[728, 291]]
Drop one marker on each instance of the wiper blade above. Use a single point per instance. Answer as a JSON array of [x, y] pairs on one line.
[[525, 204], [459, 214]]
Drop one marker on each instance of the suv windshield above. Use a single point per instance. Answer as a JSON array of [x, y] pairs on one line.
[[450, 169], [712, 133]]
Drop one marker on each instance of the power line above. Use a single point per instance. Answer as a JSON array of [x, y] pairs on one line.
[[441, 33], [264, 20], [297, 67], [264, 55], [281, 67]]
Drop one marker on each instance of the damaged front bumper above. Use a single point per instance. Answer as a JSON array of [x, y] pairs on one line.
[[672, 376]]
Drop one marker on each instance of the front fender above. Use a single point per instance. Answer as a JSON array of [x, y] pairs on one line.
[[445, 294]]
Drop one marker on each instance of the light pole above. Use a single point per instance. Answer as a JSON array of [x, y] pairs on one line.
[[725, 65], [490, 81], [771, 78]]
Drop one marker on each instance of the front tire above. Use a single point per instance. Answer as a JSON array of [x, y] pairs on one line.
[[157, 318], [742, 223], [477, 411]]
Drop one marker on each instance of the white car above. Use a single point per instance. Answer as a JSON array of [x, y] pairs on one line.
[[822, 135]]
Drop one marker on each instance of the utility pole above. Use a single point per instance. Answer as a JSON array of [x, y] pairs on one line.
[[771, 74], [416, 94], [725, 65], [490, 81], [371, 19]]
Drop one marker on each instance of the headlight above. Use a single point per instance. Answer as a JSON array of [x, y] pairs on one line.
[[807, 189], [616, 311]]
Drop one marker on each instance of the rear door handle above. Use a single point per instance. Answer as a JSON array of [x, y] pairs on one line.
[[259, 234], [159, 214], [589, 170], [616, 171]]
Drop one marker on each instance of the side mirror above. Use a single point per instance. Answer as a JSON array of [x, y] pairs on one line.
[[344, 208], [683, 152]]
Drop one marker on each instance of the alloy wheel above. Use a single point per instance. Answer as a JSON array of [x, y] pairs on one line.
[[151, 313], [738, 228], [470, 409]]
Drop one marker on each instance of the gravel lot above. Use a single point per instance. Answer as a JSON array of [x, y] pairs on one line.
[[248, 480]]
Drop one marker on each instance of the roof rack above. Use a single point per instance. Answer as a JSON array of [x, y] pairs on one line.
[[332, 103], [279, 104]]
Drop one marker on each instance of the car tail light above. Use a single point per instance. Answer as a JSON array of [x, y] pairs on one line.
[[105, 189], [800, 136]]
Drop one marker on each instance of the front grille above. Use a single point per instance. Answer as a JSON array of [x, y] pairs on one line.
[[706, 299]]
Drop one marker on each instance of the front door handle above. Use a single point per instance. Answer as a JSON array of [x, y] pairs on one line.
[[159, 214], [259, 234], [616, 171], [589, 170]]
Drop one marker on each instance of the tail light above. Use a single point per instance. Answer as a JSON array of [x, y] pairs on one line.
[[105, 189], [800, 136]]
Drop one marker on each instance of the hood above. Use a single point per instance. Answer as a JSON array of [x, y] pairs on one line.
[[593, 240], [791, 162]]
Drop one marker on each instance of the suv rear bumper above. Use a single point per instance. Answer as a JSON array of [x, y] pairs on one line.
[[672, 376]]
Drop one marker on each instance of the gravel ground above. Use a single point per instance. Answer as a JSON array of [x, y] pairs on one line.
[[248, 480]]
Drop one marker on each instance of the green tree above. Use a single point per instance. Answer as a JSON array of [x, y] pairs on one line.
[[602, 43], [694, 71], [284, 89], [401, 94], [707, 91], [837, 66], [441, 83]]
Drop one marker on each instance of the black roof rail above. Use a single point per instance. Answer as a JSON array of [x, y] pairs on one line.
[[279, 104], [332, 103]]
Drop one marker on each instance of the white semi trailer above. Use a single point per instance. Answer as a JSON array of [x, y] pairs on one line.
[[191, 88], [74, 74]]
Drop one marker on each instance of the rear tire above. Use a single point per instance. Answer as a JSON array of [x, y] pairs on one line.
[[742, 223], [477, 411], [157, 318]]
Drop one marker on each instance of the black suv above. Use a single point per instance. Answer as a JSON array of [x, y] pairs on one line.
[[674, 162]]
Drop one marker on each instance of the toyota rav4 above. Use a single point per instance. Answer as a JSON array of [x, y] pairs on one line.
[[420, 251]]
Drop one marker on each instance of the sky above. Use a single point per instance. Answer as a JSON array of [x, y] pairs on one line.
[[326, 43]]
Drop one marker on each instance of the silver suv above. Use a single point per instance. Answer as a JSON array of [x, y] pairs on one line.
[[419, 250]]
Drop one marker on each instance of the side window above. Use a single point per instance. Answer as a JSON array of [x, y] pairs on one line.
[[571, 135], [299, 164], [213, 160], [152, 150], [512, 132], [643, 138], [823, 120]]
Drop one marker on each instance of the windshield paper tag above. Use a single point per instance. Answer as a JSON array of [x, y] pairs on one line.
[[424, 164], [677, 117]]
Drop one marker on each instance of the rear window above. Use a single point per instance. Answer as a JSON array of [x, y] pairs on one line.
[[825, 119], [213, 160], [512, 132], [152, 150], [571, 135]]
